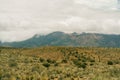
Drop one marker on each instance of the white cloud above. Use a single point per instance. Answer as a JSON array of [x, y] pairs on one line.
[[100, 4], [21, 19]]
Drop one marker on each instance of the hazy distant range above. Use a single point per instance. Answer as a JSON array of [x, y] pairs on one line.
[[68, 39]]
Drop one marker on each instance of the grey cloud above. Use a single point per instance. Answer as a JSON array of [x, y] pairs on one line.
[[21, 19]]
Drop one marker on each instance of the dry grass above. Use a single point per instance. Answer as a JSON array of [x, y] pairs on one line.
[[60, 63]]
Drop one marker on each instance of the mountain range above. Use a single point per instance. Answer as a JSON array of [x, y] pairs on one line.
[[68, 39]]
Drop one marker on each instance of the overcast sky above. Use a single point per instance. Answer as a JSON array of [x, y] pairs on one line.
[[21, 19]]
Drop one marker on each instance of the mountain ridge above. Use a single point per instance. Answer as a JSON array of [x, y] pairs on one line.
[[59, 38]]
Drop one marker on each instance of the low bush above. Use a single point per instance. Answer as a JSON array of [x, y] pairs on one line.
[[41, 60], [110, 63], [47, 65]]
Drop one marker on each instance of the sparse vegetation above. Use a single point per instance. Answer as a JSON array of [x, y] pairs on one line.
[[59, 63]]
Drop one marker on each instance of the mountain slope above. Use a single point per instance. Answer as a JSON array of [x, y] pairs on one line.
[[64, 39]]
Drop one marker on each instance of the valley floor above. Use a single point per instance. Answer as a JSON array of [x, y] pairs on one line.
[[60, 63]]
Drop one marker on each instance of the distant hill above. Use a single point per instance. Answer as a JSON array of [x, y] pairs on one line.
[[65, 39]]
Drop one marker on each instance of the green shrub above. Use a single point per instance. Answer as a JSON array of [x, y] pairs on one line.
[[49, 60], [91, 64], [116, 61], [110, 63], [92, 60], [83, 65], [41, 60], [79, 64], [47, 65], [13, 64], [64, 61], [56, 64], [84, 60]]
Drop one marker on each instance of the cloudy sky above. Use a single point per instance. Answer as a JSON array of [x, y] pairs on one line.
[[21, 19]]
